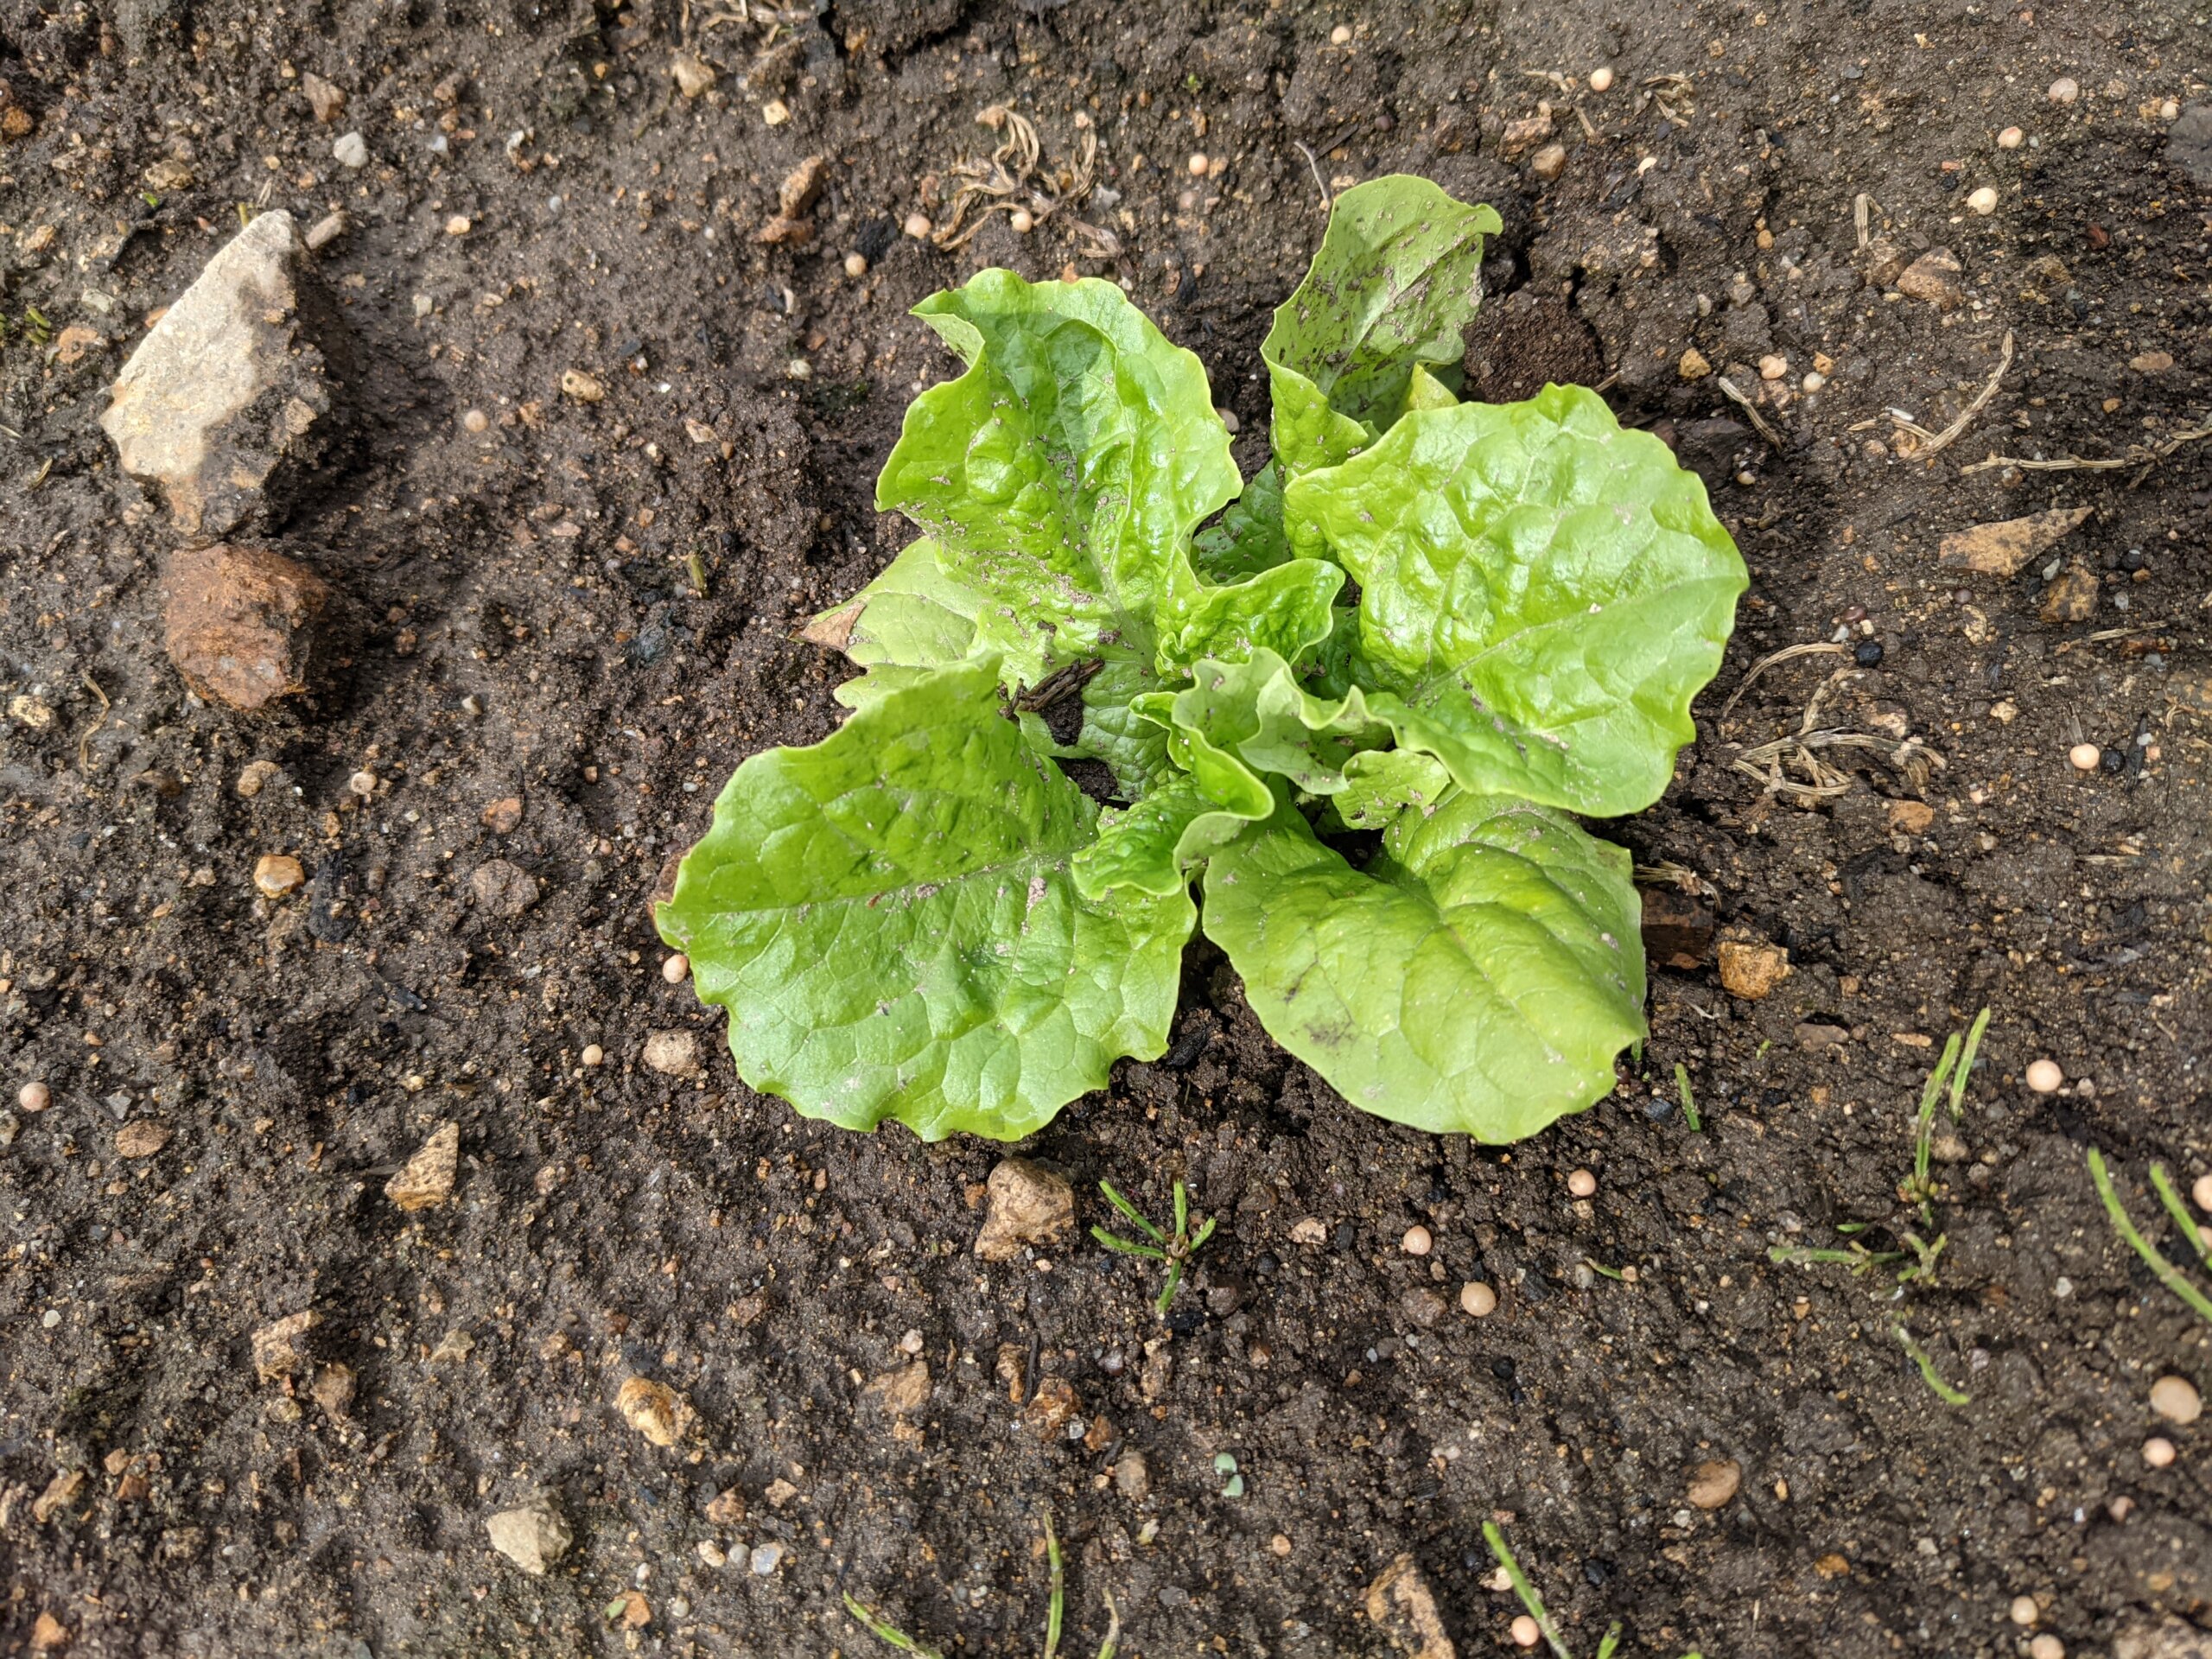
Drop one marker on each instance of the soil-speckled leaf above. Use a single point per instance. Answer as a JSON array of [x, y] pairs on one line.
[[890, 919], [1542, 593], [1249, 536], [1063, 472], [1477, 977], [1152, 845], [1395, 284]]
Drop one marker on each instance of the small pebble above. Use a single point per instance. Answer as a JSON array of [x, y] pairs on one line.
[[677, 969], [1601, 79], [362, 783], [34, 1097], [1548, 163], [2044, 1076], [1196, 164], [2046, 1646], [856, 265], [594, 1055], [1477, 1298], [2011, 138], [1340, 36], [2084, 757], [2065, 90], [2176, 1399], [2168, 110], [1279, 1544], [1983, 201], [765, 1558], [276, 875], [476, 420], [1867, 653], [1418, 1241], [917, 225], [1773, 367], [350, 152], [1582, 1184], [2025, 1610], [2202, 1193], [1526, 1631], [1022, 220], [775, 113], [457, 226], [2120, 1507], [1814, 380], [2158, 1451]]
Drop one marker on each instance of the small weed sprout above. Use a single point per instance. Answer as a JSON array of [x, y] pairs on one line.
[[2168, 1274], [1175, 1249], [1689, 1100], [1607, 1646], [1055, 1612]]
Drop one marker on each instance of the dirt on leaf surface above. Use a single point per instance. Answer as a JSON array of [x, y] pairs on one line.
[[573, 613]]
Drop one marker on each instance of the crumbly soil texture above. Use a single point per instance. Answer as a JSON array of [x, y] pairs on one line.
[[567, 620]]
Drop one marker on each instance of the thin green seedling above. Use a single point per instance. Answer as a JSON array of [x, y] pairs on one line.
[[1596, 1266], [1928, 1374], [1965, 1066], [1689, 1100], [2185, 1224], [1055, 1613], [1175, 1249], [2168, 1274], [1856, 1257], [1920, 1189], [1522, 1588]]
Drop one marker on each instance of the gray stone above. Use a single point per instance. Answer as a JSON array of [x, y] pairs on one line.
[[226, 406], [532, 1537]]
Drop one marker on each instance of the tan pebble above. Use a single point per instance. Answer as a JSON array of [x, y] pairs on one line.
[[276, 875], [476, 420], [33, 1096], [2046, 1646], [1715, 1483], [1582, 1184], [2120, 1507], [1983, 201], [255, 777], [856, 265], [1693, 365], [1526, 1631], [1340, 36], [2011, 138], [1773, 367], [1196, 164], [2203, 1192], [1309, 1230], [1418, 1241], [2084, 757], [141, 1138], [457, 226], [1479, 1300], [677, 969], [1548, 163], [1022, 220], [584, 388], [2176, 1399], [1752, 970], [2065, 90], [2025, 1610], [2158, 1451], [594, 1055], [1279, 1544], [775, 111], [2169, 109], [917, 225], [2044, 1076], [654, 1409], [1601, 79], [363, 783], [1814, 381]]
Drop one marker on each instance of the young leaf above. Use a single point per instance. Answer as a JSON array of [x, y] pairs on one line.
[[1397, 278], [1379, 783], [1282, 612], [1249, 536], [1256, 711], [1477, 977], [890, 919], [1063, 472], [1542, 593]]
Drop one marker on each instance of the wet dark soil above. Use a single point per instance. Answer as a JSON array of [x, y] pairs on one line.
[[589, 607]]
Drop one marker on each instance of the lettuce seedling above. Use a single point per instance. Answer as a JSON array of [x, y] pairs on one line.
[[1450, 627]]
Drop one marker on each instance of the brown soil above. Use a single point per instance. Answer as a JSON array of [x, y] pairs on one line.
[[531, 628]]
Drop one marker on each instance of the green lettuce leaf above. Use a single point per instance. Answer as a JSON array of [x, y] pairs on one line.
[[1477, 977], [913, 617], [1397, 278], [1063, 475], [1379, 783], [1542, 593], [891, 920], [1282, 612], [1249, 536], [1256, 711]]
